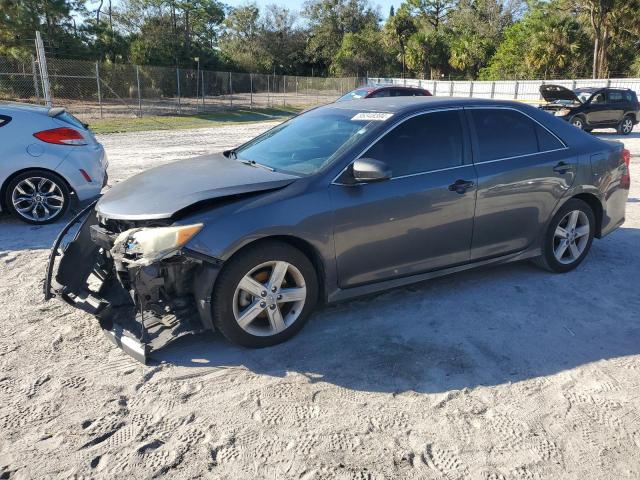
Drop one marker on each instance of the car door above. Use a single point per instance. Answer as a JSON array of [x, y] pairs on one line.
[[597, 109], [422, 218], [617, 104], [523, 171]]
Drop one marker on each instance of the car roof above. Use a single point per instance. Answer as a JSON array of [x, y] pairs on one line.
[[400, 105]]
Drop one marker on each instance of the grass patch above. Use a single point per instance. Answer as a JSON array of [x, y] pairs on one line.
[[173, 122]]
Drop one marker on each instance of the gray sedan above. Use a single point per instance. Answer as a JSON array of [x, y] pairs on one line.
[[344, 200], [49, 159]]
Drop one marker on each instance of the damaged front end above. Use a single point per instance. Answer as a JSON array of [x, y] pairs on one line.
[[137, 278]]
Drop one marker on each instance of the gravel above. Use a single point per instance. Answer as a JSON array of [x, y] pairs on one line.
[[500, 373]]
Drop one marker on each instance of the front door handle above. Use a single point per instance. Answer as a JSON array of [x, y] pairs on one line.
[[562, 167], [461, 186]]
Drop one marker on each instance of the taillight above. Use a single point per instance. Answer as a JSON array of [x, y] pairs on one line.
[[625, 181], [626, 156], [61, 136]]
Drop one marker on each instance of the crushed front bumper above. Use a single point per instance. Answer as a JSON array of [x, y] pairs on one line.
[[141, 309]]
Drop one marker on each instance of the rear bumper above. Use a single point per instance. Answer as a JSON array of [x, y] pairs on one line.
[[140, 309]]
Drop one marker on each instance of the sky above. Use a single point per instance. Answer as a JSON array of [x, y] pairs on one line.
[[294, 5], [297, 5]]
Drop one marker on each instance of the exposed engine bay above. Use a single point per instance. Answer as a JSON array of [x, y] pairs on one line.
[[143, 293]]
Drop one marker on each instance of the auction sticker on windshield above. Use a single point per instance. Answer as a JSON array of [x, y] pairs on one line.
[[372, 116]]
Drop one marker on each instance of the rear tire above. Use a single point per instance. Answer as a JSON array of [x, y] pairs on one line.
[[264, 294], [37, 197], [568, 238], [625, 127]]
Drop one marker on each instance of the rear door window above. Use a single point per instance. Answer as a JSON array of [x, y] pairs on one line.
[[503, 133], [616, 97], [427, 142], [4, 119]]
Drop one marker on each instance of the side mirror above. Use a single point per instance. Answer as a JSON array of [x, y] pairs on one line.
[[370, 170]]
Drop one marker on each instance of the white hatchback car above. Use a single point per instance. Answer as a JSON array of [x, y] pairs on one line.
[[48, 159]]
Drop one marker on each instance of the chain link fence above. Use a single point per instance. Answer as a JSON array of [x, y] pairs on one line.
[[524, 90], [96, 90]]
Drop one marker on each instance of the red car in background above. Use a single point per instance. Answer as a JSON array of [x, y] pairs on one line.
[[379, 91]]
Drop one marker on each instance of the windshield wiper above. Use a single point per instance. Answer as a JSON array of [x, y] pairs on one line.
[[253, 163]]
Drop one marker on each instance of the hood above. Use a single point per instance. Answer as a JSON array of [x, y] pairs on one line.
[[553, 93], [160, 192]]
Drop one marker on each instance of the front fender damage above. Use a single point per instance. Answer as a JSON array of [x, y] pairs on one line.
[[141, 304]]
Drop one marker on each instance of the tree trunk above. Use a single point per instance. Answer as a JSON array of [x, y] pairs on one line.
[[596, 54]]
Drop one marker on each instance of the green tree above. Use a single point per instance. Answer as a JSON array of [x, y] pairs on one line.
[[398, 31], [19, 21], [360, 53], [329, 21]]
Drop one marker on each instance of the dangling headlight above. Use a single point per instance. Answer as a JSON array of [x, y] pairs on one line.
[[563, 112], [147, 245]]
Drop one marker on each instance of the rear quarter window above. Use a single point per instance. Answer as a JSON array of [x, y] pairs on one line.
[[4, 120]]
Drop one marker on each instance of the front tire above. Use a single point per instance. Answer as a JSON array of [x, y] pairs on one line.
[[568, 238], [37, 197], [264, 294], [578, 122], [625, 127]]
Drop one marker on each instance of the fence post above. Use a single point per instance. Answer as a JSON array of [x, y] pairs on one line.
[[493, 89], [203, 90], [435, 88], [36, 88], [230, 91], [44, 73], [268, 92], [451, 89], [98, 85], [608, 82], [178, 79], [284, 91], [471, 89], [139, 95], [515, 93], [251, 91]]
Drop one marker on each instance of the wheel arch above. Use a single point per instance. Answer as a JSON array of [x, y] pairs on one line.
[[306, 247], [3, 188], [596, 205]]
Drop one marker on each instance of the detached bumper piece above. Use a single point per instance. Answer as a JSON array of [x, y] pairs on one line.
[[140, 309]]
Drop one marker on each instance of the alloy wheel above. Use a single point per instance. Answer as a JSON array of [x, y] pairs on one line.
[[627, 126], [38, 199], [269, 298], [576, 122], [571, 237]]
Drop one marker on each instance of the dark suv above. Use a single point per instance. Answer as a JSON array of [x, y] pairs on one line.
[[589, 108], [381, 91]]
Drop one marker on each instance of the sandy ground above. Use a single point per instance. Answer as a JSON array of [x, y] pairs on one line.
[[501, 373]]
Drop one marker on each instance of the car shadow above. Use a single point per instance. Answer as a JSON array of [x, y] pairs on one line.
[[484, 327]]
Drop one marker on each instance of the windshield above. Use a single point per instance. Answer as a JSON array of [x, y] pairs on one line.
[[583, 95], [306, 143], [354, 94]]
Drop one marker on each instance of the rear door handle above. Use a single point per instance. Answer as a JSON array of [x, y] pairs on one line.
[[461, 186], [562, 167]]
